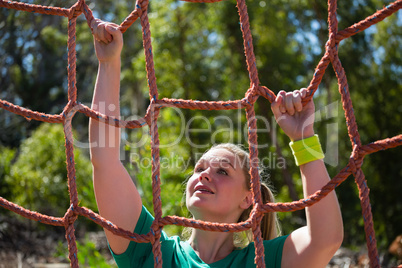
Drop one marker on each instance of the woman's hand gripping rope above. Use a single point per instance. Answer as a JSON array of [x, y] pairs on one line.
[[108, 40]]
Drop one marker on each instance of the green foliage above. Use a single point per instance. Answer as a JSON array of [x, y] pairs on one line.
[[174, 170], [38, 178], [6, 157], [87, 253]]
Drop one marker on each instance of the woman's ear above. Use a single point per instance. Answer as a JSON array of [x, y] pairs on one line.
[[247, 201]]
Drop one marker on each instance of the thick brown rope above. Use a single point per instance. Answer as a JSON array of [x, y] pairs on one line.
[[247, 103]]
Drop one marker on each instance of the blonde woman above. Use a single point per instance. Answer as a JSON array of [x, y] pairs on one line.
[[218, 190]]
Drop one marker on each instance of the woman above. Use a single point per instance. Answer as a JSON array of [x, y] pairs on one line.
[[218, 191]]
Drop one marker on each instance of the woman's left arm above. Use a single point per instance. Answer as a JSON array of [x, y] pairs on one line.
[[315, 244]]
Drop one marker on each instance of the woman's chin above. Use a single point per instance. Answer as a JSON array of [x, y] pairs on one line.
[[199, 201], [199, 207]]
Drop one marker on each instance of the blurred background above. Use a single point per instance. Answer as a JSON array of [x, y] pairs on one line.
[[198, 54]]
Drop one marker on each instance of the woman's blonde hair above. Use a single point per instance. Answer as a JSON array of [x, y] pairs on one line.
[[269, 224]]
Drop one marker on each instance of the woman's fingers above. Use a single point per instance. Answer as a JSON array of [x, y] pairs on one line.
[[96, 29], [276, 105], [114, 32], [282, 107], [93, 24], [99, 31], [303, 92], [289, 102], [297, 101], [290, 109]]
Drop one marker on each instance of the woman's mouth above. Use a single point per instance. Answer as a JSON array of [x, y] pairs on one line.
[[203, 189]]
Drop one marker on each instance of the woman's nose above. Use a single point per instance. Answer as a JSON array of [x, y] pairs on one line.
[[205, 175]]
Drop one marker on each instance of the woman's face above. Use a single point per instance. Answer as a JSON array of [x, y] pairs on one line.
[[217, 189]]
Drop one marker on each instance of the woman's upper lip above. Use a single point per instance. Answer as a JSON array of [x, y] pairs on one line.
[[203, 187]]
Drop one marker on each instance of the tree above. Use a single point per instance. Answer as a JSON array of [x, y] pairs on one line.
[[38, 178]]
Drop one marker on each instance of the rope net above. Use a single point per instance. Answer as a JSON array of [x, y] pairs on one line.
[[256, 90]]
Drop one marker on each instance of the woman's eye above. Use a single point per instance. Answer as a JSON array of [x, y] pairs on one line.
[[199, 169], [222, 171]]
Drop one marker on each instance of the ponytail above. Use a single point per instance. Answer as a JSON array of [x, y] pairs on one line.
[[269, 223]]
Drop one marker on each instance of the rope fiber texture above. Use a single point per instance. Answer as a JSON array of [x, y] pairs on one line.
[[150, 118]]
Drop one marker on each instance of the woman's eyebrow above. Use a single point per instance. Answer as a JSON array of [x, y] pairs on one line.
[[219, 160], [227, 161], [201, 161]]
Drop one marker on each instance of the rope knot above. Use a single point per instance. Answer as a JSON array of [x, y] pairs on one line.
[[332, 49], [75, 10], [152, 112], [355, 161], [250, 97], [256, 215], [155, 232], [70, 217], [141, 6]]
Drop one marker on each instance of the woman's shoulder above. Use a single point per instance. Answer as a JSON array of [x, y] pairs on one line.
[[272, 243], [276, 242], [272, 250]]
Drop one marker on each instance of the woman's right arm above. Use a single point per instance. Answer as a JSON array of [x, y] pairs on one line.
[[117, 197]]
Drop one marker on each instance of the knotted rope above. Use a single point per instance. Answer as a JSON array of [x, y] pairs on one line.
[[151, 116]]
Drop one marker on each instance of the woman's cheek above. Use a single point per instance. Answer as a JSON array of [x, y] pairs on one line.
[[190, 185]]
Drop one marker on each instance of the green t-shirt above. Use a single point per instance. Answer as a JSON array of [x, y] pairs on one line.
[[176, 253]]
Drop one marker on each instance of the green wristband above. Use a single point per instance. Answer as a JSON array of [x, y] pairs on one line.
[[306, 150]]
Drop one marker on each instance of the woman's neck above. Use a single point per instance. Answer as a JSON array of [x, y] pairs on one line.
[[211, 246]]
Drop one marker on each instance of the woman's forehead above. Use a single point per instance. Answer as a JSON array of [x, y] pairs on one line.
[[219, 155]]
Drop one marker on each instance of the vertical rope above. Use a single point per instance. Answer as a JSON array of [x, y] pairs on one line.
[[153, 94], [255, 184], [368, 218], [69, 220], [156, 185], [149, 59], [71, 70], [248, 43], [72, 185], [70, 216], [355, 164]]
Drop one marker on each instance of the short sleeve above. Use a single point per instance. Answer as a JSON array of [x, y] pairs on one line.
[[138, 253], [273, 251]]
